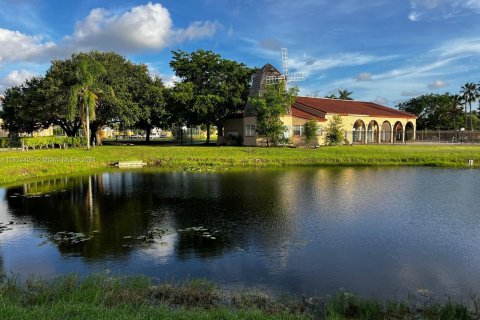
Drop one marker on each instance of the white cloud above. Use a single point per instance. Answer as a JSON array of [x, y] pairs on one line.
[[437, 85], [143, 27], [441, 9], [365, 76], [380, 101], [411, 93], [460, 47], [15, 78], [16, 46], [309, 65]]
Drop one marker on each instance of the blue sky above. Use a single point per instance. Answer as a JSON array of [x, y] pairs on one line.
[[385, 51]]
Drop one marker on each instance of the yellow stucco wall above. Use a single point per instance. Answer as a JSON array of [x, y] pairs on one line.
[[44, 133], [362, 134]]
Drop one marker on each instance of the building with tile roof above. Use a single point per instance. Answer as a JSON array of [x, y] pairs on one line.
[[363, 122]]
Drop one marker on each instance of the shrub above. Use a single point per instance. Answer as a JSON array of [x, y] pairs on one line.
[[9, 143], [52, 142], [334, 132], [311, 128]]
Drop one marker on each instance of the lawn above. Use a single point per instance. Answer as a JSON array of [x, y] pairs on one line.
[[17, 166]]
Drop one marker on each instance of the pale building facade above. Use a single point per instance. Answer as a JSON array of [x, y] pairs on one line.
[[363, 122]]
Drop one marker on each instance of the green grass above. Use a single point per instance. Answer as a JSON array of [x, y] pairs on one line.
[[16, 166], [104, 297]]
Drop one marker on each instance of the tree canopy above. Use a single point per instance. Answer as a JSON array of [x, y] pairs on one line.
[[215, 87], [23, 107], [271, 106], [435, 111]]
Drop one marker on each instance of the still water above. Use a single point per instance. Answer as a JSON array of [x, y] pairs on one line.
[[386, 232]]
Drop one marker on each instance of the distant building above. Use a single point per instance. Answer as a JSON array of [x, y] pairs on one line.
[[363, 122]]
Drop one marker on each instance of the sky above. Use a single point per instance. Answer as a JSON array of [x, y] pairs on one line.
[[385, 51]]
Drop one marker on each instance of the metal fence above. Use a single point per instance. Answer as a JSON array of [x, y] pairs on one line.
[[411, 137]]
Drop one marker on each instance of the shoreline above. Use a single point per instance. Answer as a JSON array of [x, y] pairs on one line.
[[102, 296], [18, 166]]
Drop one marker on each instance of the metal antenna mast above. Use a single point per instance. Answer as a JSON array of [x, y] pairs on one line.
[[294, 77]]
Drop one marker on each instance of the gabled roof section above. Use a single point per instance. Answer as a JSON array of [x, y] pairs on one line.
[[259, 79], [351, 107], [259, 83], [298, 113]]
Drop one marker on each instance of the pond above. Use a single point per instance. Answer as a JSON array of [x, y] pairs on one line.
[[374, 231]]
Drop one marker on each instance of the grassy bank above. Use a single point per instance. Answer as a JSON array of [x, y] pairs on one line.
[[17, 166], [104, 297]]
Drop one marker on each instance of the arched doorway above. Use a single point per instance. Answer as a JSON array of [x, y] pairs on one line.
[[359, 132], [409, 131], [372, 132], [398, 132], [386, 132]]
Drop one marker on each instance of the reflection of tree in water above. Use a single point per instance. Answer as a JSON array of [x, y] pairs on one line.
[[80, 205], [248, 209], [2, 268]]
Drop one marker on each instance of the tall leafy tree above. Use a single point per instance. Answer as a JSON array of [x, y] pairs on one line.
[[23, 108], [152, 106], [220, 87], [455, 109], [59, 79], [121, 85], [433, 111], [274, 103], [84, 94], [470, 93]]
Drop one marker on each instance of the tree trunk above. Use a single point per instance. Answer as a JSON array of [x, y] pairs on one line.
[[98, 137], [466, 119], [96, 129], [471, 118], [208, 133], [220, 129], [87, 127], [148, 132]]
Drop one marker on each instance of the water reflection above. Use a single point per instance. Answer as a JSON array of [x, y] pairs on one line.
[[310, 231]]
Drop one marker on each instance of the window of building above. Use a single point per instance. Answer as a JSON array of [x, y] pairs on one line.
[[286, 132], [250, 130], [320, 131], [298, 130]]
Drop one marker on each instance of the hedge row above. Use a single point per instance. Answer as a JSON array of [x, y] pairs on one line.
[[8, 143], [51, 142]]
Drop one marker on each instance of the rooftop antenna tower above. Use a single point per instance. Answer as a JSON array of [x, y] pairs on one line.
[[294, 77]]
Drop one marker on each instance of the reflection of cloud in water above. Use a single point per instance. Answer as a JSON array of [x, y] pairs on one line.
[[4, 212], [162, 250]]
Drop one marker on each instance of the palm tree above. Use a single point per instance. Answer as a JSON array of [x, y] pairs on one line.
[[470, 93], [344, 95], [86, 91], [456, 101]]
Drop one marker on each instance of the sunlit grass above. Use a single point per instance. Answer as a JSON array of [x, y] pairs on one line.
[[18, 166]]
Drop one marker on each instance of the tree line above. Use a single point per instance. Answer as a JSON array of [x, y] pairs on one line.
[[92, 90], [445, 111]]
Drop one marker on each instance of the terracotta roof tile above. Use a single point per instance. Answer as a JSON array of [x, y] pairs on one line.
[[305, 115], [347, 107]]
